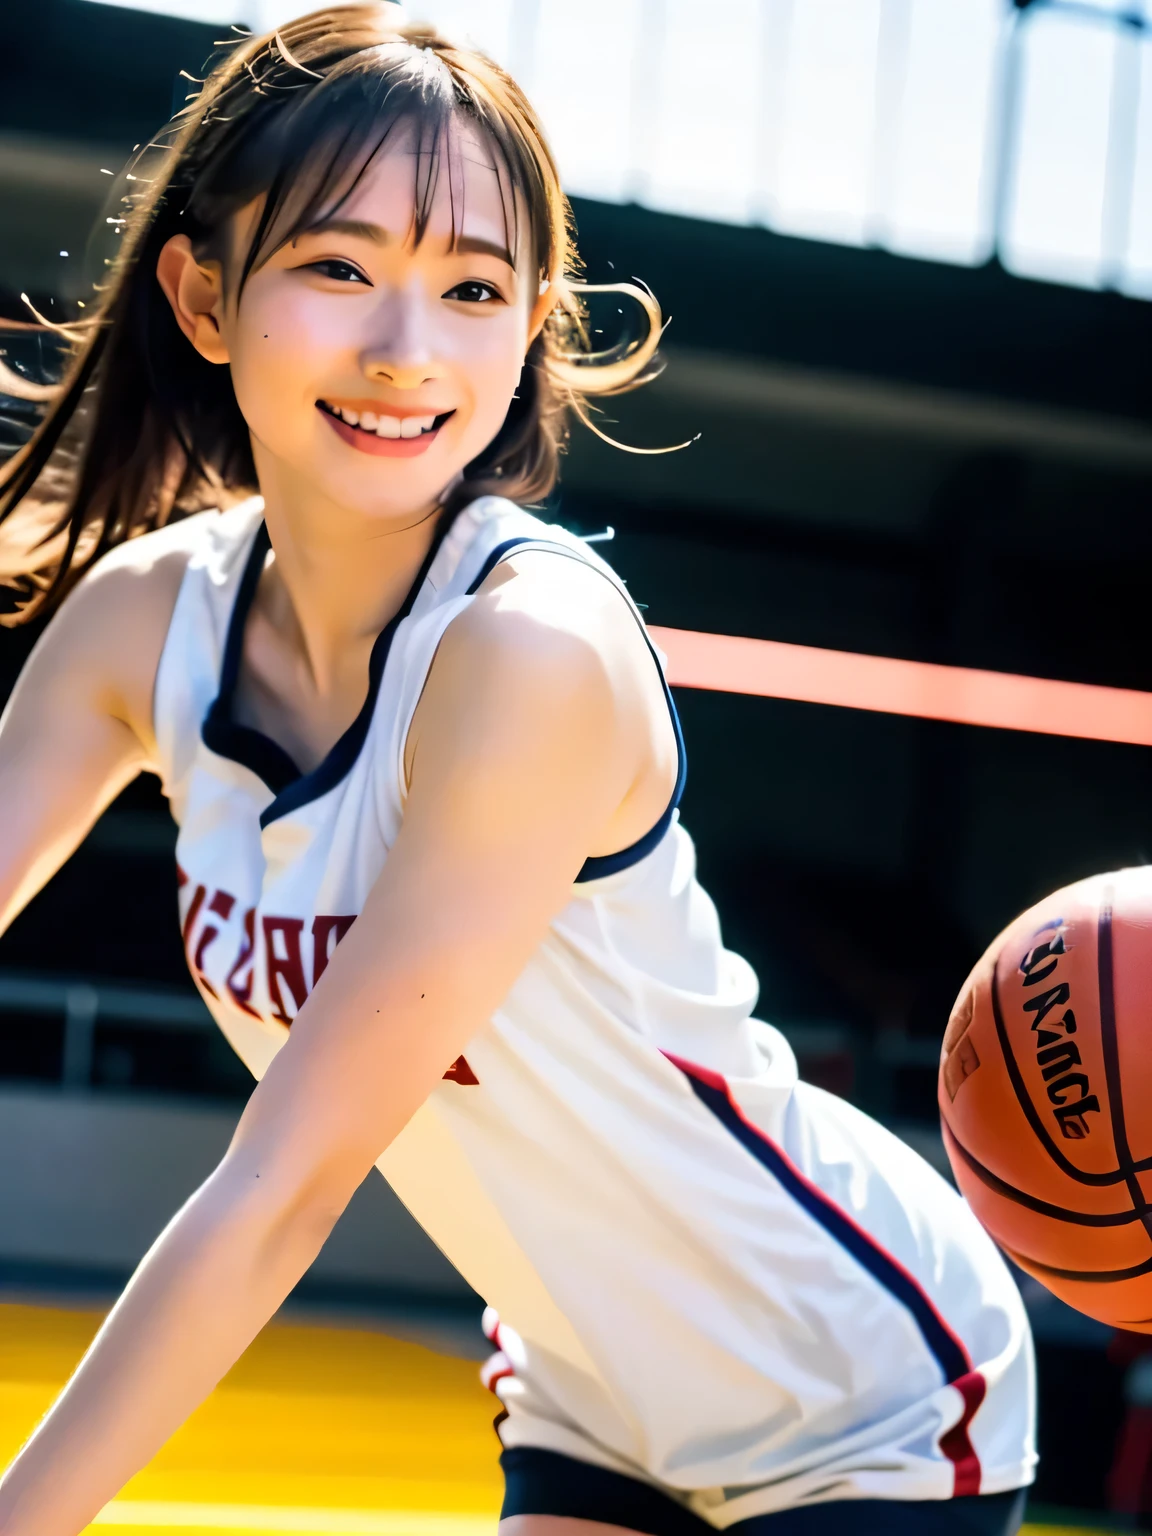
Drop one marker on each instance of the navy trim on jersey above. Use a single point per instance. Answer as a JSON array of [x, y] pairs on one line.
[[220, 732], [613, 863], [292, 789], [947, 1349], [494, 558], [610, 863], [269, 761]]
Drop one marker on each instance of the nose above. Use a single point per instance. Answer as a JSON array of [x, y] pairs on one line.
[[402, 352]]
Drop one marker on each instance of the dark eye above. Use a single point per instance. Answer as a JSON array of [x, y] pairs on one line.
[[339, 271], [473, 292]]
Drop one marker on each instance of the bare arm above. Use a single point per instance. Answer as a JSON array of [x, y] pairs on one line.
[[529, 743], [78, 726]]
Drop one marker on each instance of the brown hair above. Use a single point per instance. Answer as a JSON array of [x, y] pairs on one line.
[[141, 429]]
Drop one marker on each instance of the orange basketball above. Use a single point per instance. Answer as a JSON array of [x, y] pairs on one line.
[[1046, 1094]]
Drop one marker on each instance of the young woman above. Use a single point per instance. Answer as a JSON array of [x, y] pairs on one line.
[[425, 768]]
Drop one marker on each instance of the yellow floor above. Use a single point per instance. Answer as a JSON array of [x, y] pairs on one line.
[[315, 1430], [327, 1431]]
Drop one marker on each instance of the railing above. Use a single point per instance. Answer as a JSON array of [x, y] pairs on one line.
[[83, 1004]]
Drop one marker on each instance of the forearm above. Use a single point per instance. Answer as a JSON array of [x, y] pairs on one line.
[[208, 1285]]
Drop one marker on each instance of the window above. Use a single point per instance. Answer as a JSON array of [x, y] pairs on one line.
[[945, 129]]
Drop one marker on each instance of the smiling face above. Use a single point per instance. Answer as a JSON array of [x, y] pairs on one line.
[[372, 368]]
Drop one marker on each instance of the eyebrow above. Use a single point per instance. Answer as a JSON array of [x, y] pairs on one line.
[[360, 229]]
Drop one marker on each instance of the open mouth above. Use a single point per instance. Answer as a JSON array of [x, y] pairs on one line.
[[385, 428], [383, 435]]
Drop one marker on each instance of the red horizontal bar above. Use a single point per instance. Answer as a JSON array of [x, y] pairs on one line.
[[772, 669]]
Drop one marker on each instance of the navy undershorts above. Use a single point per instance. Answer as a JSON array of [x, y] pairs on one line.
[[546, 1483]]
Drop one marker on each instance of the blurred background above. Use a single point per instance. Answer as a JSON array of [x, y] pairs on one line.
[[906, 248]]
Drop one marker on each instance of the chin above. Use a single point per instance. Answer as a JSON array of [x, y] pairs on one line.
[[398, 502], [389, 503], [383, 488]]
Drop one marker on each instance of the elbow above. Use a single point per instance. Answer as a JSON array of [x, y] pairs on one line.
[[315, 1215], [291, 1213]]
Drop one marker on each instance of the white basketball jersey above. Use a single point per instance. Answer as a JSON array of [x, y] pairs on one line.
[[700, 1271]]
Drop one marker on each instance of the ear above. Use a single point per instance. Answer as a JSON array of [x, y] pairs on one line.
[[540, 311], [195, 290]]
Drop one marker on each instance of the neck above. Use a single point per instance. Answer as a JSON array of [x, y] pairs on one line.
[[338, 576]]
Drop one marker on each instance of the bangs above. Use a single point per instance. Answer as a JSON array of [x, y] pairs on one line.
[[307, 160]]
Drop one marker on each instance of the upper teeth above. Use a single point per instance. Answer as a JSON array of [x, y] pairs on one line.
[[388, 426], [412, 426]]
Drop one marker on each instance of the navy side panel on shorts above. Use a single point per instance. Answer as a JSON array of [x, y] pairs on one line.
[[547, 1483]]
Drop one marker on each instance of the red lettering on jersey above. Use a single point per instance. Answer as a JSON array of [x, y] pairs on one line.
[[193, 913], [322, 930], [181, 878], [206, 937], [222, 905], [241, 994], [288, 967], [461, 1072]]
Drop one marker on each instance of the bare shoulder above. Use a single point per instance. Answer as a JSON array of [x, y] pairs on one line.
[[550, 648], [554, 622], [560, 601], [103, 647], [129, 594]]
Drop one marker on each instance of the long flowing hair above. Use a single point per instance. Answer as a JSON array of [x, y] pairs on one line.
[[140, 429]]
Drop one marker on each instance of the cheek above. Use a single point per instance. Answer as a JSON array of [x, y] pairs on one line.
[[273, 349], [492, 358]]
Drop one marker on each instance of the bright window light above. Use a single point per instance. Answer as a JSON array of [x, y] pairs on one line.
[[827, 133], [939, 201], [866, 122], [590, 92], [1055, 220], [699, 108], [263, 15], [487, 24], [258, 15], [1137, 277]]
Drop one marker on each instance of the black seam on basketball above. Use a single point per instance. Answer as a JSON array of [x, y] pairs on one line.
[[1110, 1049], [1026, 1104], [1089, 1276], [1030, 1202]]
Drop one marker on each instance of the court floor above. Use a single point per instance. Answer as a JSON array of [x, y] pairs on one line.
[[329, 1431]]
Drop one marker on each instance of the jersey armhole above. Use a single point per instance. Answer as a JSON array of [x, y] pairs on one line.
[[176, 716], [603, 865]]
